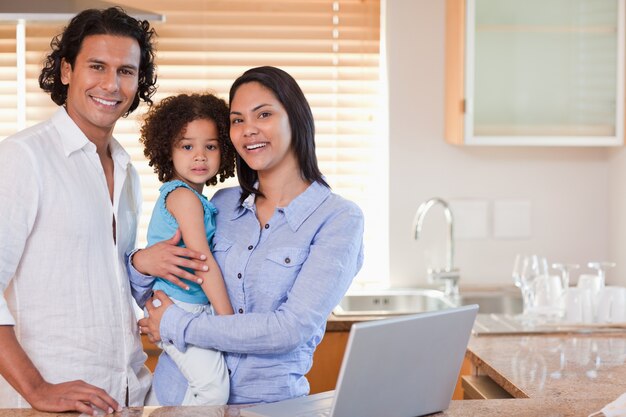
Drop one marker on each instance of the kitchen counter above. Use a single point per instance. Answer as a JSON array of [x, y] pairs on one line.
[[343, 323], [549, 375], [557, 366]]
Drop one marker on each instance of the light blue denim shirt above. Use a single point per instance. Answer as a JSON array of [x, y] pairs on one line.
[[283, 278]]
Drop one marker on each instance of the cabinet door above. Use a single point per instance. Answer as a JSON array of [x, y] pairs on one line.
[[536, 72], [152, 351], [327, 360]]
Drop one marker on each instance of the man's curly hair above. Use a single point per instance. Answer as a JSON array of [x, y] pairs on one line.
[[165, 123], [112, 21]]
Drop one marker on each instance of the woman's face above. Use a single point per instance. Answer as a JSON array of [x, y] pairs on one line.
[[260, 130]]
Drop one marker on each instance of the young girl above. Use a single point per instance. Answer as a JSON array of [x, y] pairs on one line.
[[186, 141]]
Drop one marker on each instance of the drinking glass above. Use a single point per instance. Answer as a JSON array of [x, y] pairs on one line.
[[578, 305], [611, 305], [601, 267], [594, 284], [517, 269], [565, 272], [548, 302], [526, 269]]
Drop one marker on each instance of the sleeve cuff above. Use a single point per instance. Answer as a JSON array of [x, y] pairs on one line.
[[173, 325], [6, 318], [141, 285]]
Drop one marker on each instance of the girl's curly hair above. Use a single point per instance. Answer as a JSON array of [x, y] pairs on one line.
[[112, 21], [164, 125]]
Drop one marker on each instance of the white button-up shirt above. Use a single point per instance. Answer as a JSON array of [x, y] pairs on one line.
[[63, 282]]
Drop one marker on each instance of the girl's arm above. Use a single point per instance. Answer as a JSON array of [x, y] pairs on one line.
[[188, 212]]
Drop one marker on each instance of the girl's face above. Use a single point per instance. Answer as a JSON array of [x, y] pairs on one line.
[[196, 155], [260, 129]]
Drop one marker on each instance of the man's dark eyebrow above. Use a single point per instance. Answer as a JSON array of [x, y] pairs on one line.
[[132, 67], [99, 61]]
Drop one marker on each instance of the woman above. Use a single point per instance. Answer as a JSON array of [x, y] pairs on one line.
[[288, 249]]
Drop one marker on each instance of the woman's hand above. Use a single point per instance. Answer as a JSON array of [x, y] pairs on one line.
[[156, 307], [166, 260]]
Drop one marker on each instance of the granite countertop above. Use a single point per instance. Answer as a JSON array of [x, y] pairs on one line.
[[549, 375], [468, 408]]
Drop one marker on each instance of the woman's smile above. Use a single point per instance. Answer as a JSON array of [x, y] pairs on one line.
[[255, 146]]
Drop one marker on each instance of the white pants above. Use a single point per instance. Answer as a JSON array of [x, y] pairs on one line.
[[204, 369]]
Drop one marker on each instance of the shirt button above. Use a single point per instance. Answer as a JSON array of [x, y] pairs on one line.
[[239, 275], [240, 311], [287, 260], [267, 226], [171, 341], [250, 247]]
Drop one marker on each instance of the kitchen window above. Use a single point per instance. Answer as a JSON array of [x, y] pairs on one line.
[[332, 48]]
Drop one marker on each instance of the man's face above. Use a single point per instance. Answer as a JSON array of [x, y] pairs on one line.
[[103, 83]]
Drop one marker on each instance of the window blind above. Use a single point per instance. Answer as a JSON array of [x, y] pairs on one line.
[[332, 48]]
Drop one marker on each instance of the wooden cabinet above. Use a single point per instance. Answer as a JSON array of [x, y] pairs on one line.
[[152, 351], [327, 361], [537, 72], [481, 387], [459, 389]]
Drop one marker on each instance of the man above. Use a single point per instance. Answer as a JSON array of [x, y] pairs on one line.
[[69, 205]]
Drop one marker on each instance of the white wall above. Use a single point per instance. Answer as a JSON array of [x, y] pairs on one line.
[[572, 198], [617, 213]]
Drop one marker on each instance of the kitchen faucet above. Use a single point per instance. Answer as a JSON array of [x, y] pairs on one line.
[[450, 275]]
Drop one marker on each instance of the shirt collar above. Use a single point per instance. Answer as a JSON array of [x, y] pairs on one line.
[[73, 139], [300, 207]]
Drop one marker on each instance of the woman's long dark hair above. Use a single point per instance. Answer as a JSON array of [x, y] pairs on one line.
[[288, 92]]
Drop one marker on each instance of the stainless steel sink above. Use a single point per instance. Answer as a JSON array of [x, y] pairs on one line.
[[499, 302], [389, 302], [408, 301]]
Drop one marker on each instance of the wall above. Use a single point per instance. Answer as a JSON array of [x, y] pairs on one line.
[[572, 200], [617, 213]]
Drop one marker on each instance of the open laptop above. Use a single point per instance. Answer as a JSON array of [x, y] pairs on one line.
[[404, 366]]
